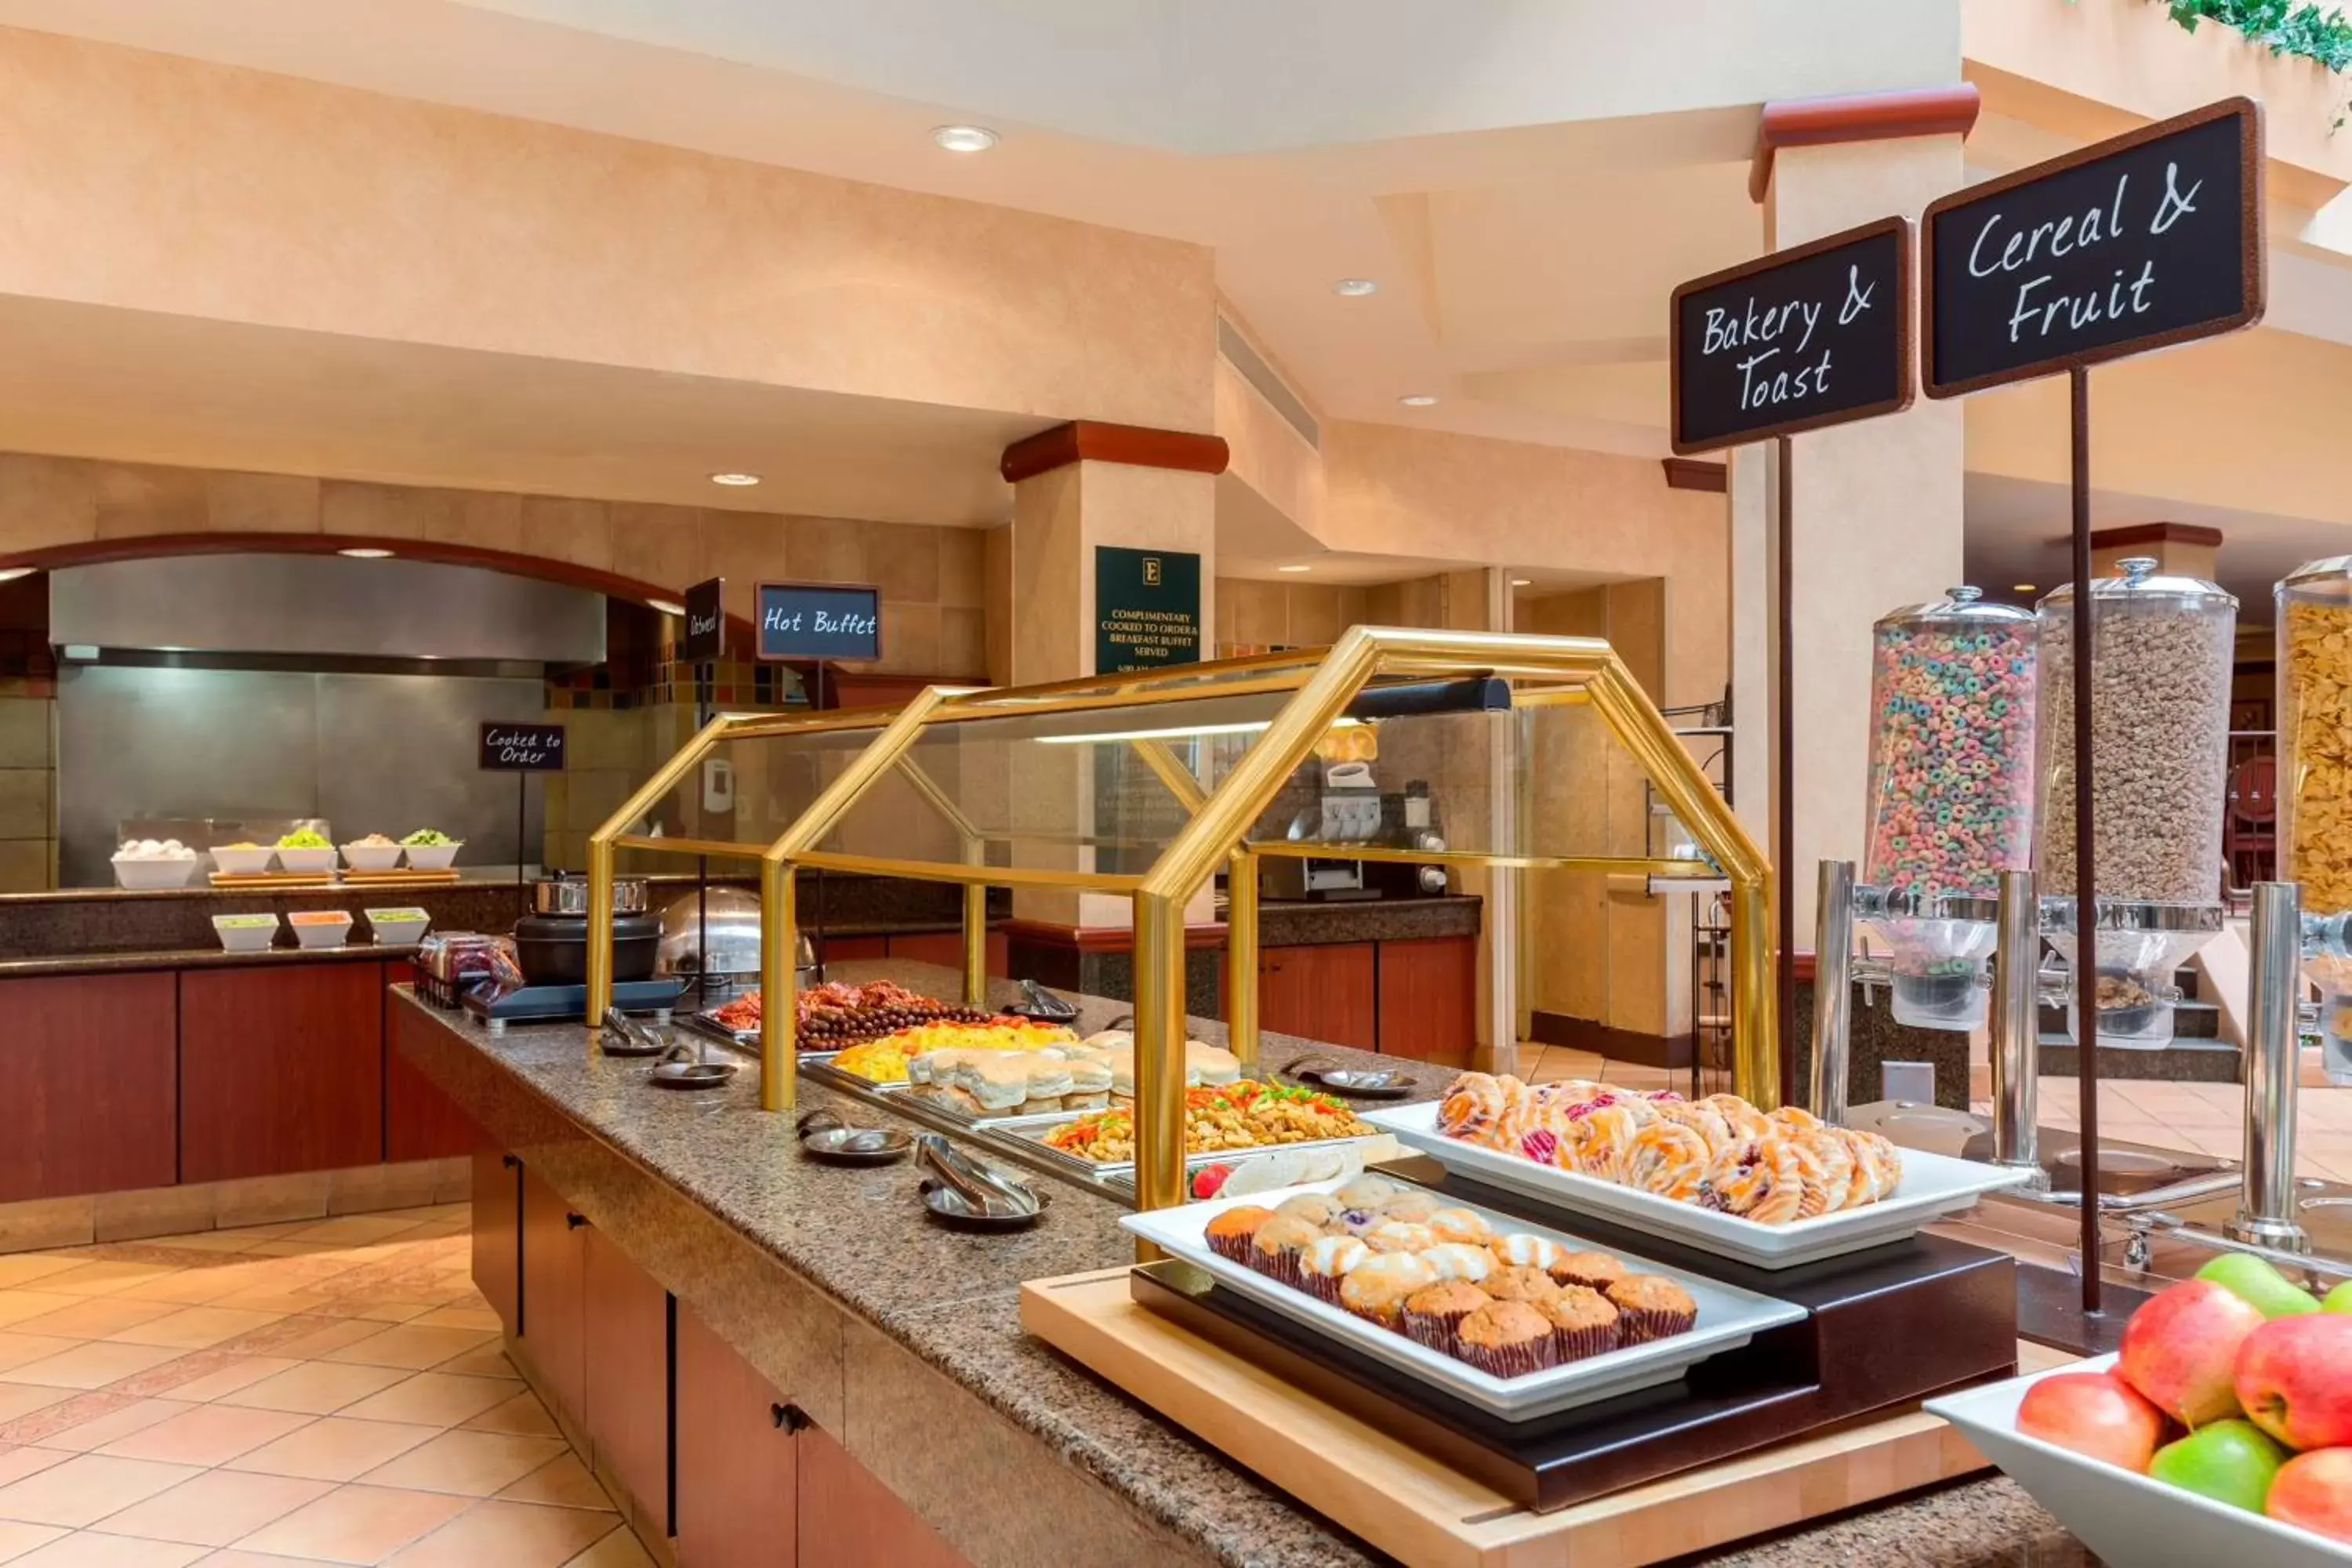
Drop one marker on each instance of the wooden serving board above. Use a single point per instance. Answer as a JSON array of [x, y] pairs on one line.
[[400, 879], [1430, 1516], [271, 881]]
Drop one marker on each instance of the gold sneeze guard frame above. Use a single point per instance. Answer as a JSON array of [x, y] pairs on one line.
[[1323, 685]]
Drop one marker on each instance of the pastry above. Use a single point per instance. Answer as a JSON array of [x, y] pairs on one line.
[[1827, 1162], [1746, 1121], [1794, 1118], [1432, 1313], [1473, 1108], [1357, 1222], [1459, 1261], [1507, 1339], [1522, 1250], [1878, 1159], [1229, 1235], [1399, 1235], [1316, 1209], [1411, 1205], [1279, 1249], [1705, 1119], [1600, 1142], [1760, 1180], [1376, 1288], [1668, 1158], [1651, 1307], [1583, 1323], [1326, 1263], [1460, 1225], [1365, 1192], [1091, 1077], [1519, 1282], [1593, 1270]]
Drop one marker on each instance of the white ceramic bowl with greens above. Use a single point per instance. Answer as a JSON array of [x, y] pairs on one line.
[[438, 853], [243, 860], [394, 928], [245, 933], [370, 856]]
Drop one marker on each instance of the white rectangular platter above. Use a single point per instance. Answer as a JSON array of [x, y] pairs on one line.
[[1933, 1185], [2121, 1516], [1728, 1319]]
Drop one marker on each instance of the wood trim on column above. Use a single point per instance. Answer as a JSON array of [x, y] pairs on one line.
[[1137, 445], [1696, 474], [1859, 117], [2155, 534]]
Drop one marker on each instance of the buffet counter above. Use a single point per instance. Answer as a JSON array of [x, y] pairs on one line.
[[898, 1342]]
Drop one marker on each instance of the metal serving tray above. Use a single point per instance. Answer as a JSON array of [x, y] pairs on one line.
[[1029, 1132]]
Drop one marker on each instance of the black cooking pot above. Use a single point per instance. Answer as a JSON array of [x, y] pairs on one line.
[[553, 949]]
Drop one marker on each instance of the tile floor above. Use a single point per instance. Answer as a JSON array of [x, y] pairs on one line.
[[328, 1391]]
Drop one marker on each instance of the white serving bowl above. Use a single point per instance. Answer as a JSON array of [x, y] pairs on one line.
[[312, 860], [433, 857], [323, 934], [371, 856], [155, 871], [394, 928], [245, 938], [244, 862]]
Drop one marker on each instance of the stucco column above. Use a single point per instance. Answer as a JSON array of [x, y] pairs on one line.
[[1877, 504], [2178, 549]]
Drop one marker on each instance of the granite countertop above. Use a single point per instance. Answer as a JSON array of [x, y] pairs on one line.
[[196, 958], [952, 1299]]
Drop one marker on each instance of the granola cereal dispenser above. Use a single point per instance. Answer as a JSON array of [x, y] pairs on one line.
[[2314, 774], [1953, 691]]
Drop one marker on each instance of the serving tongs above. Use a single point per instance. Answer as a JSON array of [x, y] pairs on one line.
[[1041, 1006], [687, 1064], [625, 1037], [1356, 1083], [967, 1192]]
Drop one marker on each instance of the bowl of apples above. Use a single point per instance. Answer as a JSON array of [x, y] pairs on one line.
[[2220, 1432]]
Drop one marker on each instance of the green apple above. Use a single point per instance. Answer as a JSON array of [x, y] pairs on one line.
[[2339, 1299], [2252, 1281], [2230, 1461]]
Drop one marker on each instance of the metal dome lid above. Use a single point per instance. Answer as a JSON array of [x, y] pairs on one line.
[[2333, 570], [2140, 581], [1967, 605]]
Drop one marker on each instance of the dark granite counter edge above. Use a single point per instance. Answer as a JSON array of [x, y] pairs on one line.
[[197, 958]]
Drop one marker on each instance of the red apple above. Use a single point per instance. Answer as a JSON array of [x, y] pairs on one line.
[[2094, 1413], [2294, 1378], [2315, 1491], [2180, 1349]]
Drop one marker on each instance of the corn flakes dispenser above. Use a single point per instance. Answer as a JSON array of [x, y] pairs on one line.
[[2315, 784], [2161, 663], [1953, 690]]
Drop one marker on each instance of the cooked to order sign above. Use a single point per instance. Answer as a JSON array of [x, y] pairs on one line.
[[1147, 609]]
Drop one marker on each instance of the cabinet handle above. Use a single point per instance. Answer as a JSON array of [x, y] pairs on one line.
[[790, 1417], [510, 1162], [574, 1221]]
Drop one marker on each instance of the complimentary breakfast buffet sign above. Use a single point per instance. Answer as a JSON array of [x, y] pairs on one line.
[[1147, 609], [819, 620], [2137, 242], [1814, 335], [522, 748]]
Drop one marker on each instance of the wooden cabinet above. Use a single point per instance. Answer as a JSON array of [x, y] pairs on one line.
[[849, 1519], [498, 1234], [1429, 999], [420, 1122], [89, 1085], [737, 1501], [844, 949], [626, 1372], [281, 1069], [1323, 993], [554, 1265]]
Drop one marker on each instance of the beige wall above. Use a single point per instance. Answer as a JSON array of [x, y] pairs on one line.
[[1253, 616], [28, 818]]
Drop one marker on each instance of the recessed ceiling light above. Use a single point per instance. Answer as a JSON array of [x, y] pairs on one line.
[[10, 573], [1293, 568], [1418, 399], [964, 138], [1355, 287], [2020, 587], [1523, 582], [365, 552], [666, 607], [736, 481]]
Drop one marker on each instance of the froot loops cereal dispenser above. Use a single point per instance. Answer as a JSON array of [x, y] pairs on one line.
[[2160, 669], [1953, 694]]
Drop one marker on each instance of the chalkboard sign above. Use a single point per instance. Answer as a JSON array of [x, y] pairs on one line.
[[522, 748], [1814, 335], [2149, 240], [706, 621], [819, 620], [1147, 609]]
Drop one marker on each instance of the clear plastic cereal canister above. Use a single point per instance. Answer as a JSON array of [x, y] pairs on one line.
[[2314, 773]]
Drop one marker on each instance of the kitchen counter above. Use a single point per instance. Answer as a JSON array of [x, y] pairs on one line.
[[196, 958], [903, 1339], [1306, 922]]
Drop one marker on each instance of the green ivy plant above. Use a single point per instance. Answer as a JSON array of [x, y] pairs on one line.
[[2295, 28]]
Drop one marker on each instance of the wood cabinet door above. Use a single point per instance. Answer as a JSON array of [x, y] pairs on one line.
[[626, 1372], [1429, 999], [1322, 993], [281, 1069], [420, 1122], [738, 1497], [89, 1085], [553, 1309], [849, 1519], [498, 1234]]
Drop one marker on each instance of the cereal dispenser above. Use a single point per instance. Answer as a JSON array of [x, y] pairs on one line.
[[2315, 777], [2159, 753], [1952, 692]]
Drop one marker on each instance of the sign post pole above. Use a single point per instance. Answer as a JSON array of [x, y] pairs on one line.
[[706, 620], [522, 750], [522, 817], [819, 622], [2086, 913]]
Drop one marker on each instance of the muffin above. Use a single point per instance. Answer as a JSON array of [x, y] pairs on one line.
[[1460, 1225], [1365, 1192], [1230, 1234], [1279, 1248], [1593, 1270], [1327, 1262], [1582, 1322], [1523, 1250], [1432, 1313], [1316, 1208], [1359, 1221], [1520, 1282], [1650, 1308], [1399, 1235], [1376, 1288], [1459, 1261], [1507, 1339], [1412, 1206]]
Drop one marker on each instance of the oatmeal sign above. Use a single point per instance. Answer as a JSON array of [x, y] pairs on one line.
[[1814, 335]]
